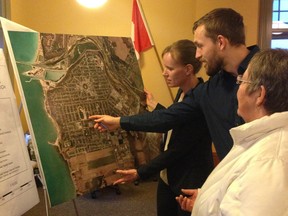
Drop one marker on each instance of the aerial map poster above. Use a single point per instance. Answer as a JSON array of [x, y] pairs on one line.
[[64, 79]]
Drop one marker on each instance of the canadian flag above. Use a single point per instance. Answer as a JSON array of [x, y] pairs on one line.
[[140, 33]]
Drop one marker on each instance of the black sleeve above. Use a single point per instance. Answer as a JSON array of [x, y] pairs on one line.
[[160, 162], [164, 119], [188, 143]]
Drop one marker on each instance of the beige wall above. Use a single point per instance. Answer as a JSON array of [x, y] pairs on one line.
[[168, 20], [249, 9]]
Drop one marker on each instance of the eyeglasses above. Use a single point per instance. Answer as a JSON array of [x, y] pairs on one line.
[[240, 80]]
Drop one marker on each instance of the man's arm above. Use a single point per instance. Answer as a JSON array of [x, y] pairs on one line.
[[162, 120], [157, 121]]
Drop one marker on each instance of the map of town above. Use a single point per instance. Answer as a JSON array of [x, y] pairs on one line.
[[81, 76], [88, 75]]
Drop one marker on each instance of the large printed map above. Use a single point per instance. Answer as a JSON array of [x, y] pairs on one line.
[[65, 79]]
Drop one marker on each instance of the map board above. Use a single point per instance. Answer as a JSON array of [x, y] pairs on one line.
[[63, 79], [18, 192]]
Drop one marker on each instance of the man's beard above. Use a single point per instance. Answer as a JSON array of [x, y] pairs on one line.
[[215, 67]]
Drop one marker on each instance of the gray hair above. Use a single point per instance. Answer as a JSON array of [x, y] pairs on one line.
[[269, 68]]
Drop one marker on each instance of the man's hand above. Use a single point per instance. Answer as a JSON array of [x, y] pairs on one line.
[[105, 122], [127, 176], [187, 200]]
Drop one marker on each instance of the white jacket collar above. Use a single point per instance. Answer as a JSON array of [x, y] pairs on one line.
[[252, 130]]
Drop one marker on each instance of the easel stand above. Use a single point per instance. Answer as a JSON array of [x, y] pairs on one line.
[[75, 207], [46, 198], [45, 193]]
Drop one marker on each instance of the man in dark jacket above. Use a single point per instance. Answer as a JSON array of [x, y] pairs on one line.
[[220, 40]]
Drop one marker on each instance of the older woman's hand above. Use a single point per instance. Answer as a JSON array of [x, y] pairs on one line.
[[187, 200]]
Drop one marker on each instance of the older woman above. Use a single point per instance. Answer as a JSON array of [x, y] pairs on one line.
[[253, 178]]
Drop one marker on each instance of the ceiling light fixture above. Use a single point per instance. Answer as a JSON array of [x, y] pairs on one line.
[[92, 3]]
